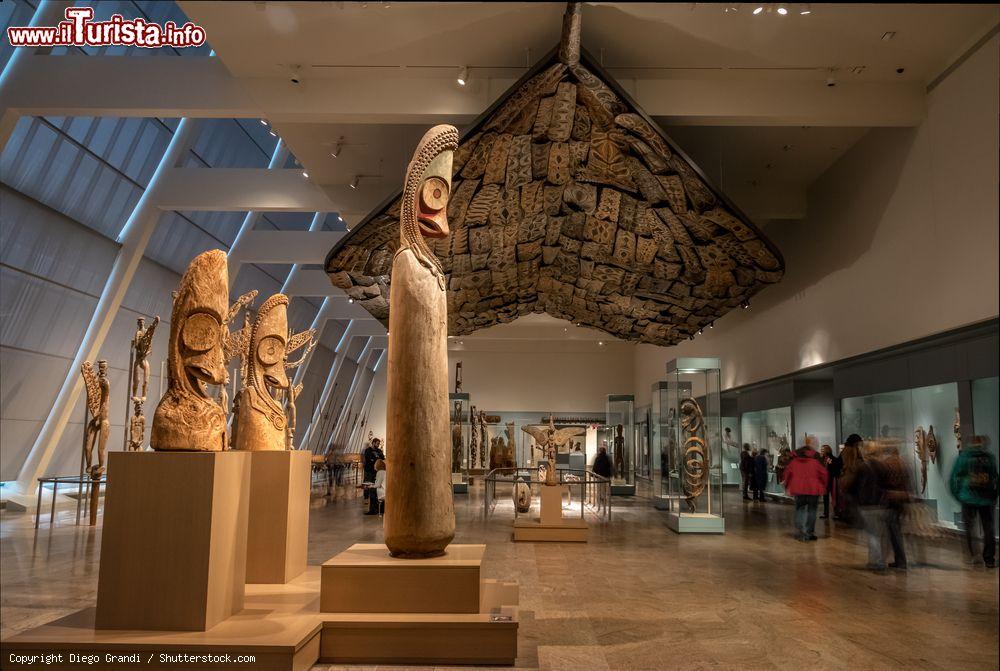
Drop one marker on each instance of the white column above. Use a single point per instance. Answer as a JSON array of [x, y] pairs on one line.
[[48, 13], [134, 237], [278, 159]]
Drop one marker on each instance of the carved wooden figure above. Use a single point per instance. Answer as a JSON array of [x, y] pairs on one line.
[[263, 423], [549, 440], [695, 460], [419, 512], [187, 418], [142, 341], [920, 449], [96, 430], [295, 341]]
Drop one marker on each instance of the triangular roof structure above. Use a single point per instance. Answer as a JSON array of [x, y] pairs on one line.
[[567, 199]]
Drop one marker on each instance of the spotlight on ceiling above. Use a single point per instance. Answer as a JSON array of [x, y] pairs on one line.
[[600, 343], [701, 330], [463, 76], [263, 122], [711, 325], [745, 304], [758, 9], [732, 8], [805, 10], [350, 300], [340, 219], [782, 9], [305, 174], [354, 182], [272, 133], [337, 148]]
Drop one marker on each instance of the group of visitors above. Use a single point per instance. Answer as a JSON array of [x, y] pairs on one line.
[[754, 467], [871, 487]]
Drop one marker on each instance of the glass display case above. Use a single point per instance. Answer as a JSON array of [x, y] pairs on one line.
[[644, 455], [907, 419], [661, 431], [461, 432], [985, 403], [620, 420], [731, 447], [694, 444], [771, 431]]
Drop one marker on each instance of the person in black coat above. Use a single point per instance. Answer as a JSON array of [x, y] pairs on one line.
[[833, 467], [602, 463], [760, 466], [746, 469], [369, 457]]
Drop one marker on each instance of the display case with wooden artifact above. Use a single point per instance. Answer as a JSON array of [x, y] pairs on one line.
[[694, 485], [620, 417], [461, 438]]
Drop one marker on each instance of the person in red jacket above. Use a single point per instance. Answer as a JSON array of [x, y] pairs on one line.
[[805, 478]]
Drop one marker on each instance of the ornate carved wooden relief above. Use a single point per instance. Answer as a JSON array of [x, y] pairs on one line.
[[568, 200]]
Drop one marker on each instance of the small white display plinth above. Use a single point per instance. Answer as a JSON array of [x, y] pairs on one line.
[[696, 523]]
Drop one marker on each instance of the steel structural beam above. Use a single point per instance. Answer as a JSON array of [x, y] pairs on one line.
[[200, 87]]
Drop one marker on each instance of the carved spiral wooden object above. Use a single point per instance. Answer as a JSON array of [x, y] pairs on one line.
[[696, 457]]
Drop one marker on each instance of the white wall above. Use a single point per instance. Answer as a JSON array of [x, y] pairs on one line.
[[900, 242]]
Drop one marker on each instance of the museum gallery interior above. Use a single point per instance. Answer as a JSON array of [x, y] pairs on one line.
[[548, 335]]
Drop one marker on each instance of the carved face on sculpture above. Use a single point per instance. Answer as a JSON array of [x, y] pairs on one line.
[[102, 367], [424, 211], [196, 330], [268, 345]]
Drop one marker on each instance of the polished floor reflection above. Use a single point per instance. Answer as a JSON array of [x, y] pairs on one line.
[[637, 596]]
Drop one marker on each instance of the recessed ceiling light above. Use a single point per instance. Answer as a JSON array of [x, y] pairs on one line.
[[783, 10], [600, 343]]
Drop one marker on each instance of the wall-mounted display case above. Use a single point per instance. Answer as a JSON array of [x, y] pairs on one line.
[[899, 417], [643, 452], [694, 444], [731, 447], [620, 420], [461, 432], [769, 430]]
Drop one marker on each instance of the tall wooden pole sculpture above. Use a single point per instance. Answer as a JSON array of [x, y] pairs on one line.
[[419, 513]]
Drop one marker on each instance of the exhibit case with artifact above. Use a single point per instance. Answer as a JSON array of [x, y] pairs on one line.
[[461, 434], [620, 419], [694, 437], [924, 425], [769, 431]]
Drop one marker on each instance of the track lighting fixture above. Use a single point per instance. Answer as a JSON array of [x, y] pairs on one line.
[[263, 122], [758, 10], [272, 133], [340, 219], [782, 9], [805, 10], [337, 148], [745, 304], [711, 325], [463, 76], [354, 182], [350, 300], [701, 330], [305, 174]]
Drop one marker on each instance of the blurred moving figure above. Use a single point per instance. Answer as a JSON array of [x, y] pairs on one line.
[[833, 466], [851, 460], [974, 483], [897, 484], [805, 478]]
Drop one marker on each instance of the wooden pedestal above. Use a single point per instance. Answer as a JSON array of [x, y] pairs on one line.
[[278, 524], [173, 549], [365, 579], [551, 525]]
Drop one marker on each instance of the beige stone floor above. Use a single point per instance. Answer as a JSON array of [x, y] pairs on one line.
[[637, 596]]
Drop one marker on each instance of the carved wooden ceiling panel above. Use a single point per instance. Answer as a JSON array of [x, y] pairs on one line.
[[568, 200]]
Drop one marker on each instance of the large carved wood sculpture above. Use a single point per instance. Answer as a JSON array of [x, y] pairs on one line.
[[695, 460], [263, 424], [142, 343], [548, 439], [187, 418], [95, 433], [568, 200], [419, 514]]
